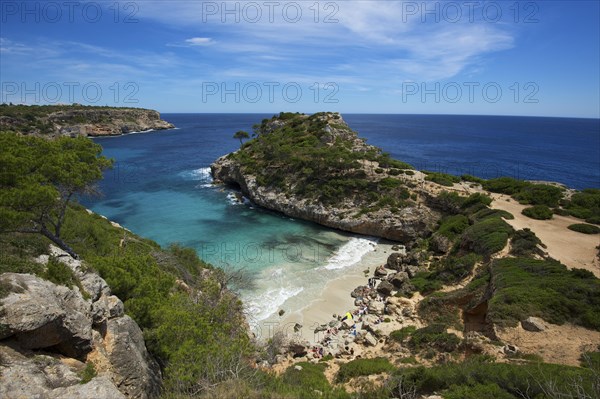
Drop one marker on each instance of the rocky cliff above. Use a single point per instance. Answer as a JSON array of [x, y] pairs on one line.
[[316, 168], [51, 335], [79, 120]]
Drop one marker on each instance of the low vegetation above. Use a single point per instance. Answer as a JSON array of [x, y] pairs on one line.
[[585, 228], [361, 367], [543, 288], [538, 212], [303, 156]]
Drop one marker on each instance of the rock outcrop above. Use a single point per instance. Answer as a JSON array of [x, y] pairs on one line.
[[70, 326], [77, 120], [404, 224]]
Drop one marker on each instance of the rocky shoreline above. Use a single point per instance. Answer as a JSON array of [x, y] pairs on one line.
[[81, 121], [404, 224]]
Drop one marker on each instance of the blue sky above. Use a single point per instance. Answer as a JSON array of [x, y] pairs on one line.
[[479, 57]]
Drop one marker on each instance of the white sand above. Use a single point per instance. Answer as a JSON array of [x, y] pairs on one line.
[[333, 299]]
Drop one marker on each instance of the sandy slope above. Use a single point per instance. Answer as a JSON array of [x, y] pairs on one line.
[[573, 249]]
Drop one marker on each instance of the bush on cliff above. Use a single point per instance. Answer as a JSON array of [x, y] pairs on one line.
[[544, 288], [538, 212], [301, 155]]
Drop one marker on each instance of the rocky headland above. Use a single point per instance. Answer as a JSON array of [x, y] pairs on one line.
[[77, 120], [317, 169]]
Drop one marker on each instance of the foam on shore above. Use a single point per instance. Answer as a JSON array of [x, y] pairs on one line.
[[351, 253]]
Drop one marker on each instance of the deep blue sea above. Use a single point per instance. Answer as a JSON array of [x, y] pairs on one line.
[[161, 188]]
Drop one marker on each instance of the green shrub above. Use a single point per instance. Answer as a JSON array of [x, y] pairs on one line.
[[453, 269], [472, 178], [87, 373], [593, 219], [478, 391], [434, 336], [488, 213], [486, 237], [505, 185], [539, 194], [471, 376], [453, 226], [543, 288], [538, 212], [409, 173], [525, 243], [359, 367], [584, 205], [443, 179], [584, 228], [403, 333], [309, 378], [60, 274]]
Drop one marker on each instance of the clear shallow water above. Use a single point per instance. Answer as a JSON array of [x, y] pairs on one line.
[[160, 188]]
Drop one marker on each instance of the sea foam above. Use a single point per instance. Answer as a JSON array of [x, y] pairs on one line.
[[201, 175], [267, 303], [351, 253]]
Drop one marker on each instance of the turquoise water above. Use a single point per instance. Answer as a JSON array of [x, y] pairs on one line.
[[161, 188]]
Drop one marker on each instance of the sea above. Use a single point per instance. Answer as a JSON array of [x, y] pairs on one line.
[[161, 188]]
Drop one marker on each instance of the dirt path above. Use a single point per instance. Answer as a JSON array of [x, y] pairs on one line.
[[573, 249]]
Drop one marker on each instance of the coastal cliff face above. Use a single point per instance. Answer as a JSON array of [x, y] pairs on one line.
[[49, 332], [333, 178], [79, 120]]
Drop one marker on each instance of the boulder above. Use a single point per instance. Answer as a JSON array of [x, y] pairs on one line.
[[385, 288], [40, 314], [380, 271], [440, 244], [413, 270], [399, 279], [395, 261], [125, 347], [369, 339], [376, 307], [510, 350], [297, 347], [43, 376], [534, 324], [361, 292]]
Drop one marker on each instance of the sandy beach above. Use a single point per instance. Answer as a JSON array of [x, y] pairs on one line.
[[333, 299]]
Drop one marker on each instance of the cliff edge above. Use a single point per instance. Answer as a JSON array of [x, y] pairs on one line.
[[79, 120], [317, 169]]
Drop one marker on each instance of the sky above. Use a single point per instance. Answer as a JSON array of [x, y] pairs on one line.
[[538, 58]]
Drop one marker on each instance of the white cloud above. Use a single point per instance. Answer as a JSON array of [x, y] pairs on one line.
[[199, 41]]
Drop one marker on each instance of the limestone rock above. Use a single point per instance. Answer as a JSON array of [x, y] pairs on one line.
[[385, 288], [399, 279], [395, 261], [40, 314], [405, 225], [381, 271], [297, 347], [369, 339], [441, 244], [376, 307], [135, 372], [510, 350], [534, 324], [46, 377]]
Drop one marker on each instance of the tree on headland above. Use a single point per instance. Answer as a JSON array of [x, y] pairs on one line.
[[40, 177], [240, 135]]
